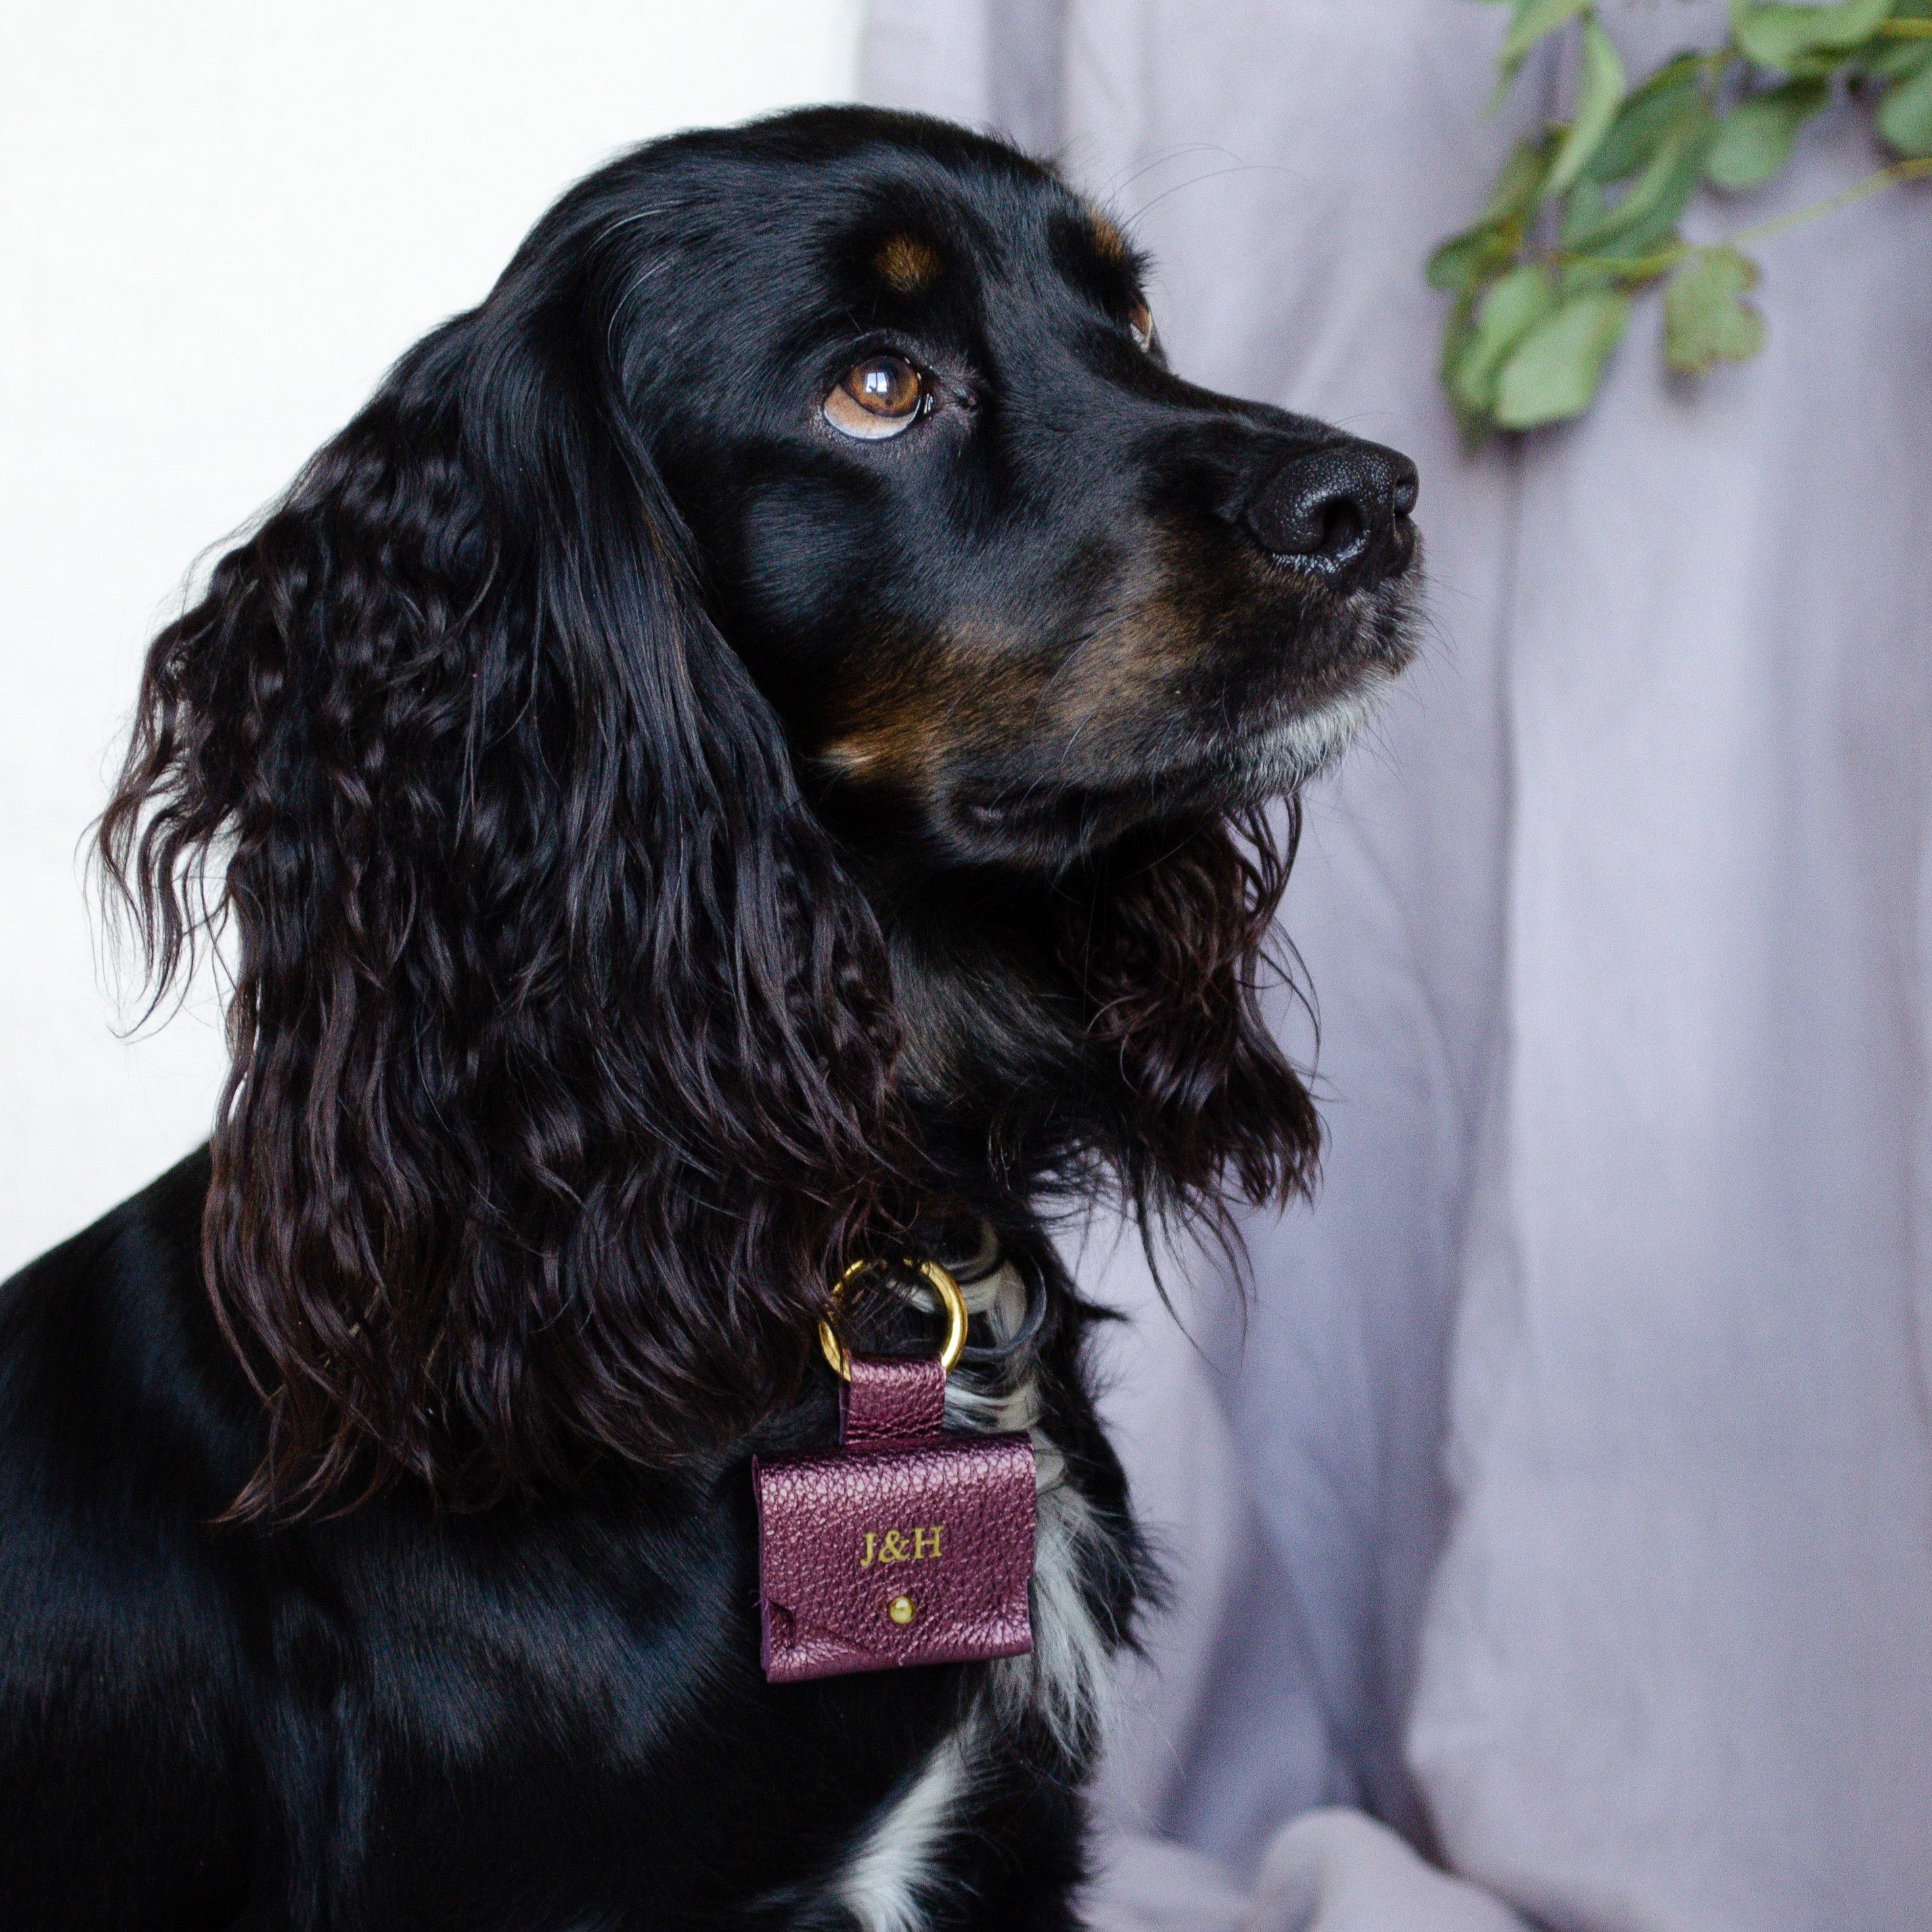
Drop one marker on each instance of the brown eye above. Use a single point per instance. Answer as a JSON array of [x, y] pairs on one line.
[[1140, 319], [878, 397]]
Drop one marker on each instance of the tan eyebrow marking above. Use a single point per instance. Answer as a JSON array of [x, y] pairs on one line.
[[907, 264], [1107, 237]]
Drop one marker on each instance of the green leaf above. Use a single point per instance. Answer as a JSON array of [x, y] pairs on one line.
[[1534, 20], [1894, 60], [1555, 369], [1599, 93], [1520, 182], [1644, 120], [1905, 114], [1473, 424], [1513, 307], [1573, 278], [1775, 36], [1705, 317], [1755, 139], [1464, 263], [1481, 252], [1649, 209]]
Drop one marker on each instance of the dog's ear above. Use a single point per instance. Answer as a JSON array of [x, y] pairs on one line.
[[563, 1051]]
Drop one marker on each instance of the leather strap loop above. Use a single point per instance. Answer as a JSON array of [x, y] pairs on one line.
[[891, 1400]]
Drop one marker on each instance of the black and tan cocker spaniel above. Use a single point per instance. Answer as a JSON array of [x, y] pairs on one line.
[[753, 751]]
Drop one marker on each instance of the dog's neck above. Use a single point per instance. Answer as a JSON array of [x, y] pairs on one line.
[[1103, 1024], [997, 1065]]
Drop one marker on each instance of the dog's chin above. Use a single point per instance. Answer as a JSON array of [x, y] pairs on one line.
[[1051, 822], [1284, 757]]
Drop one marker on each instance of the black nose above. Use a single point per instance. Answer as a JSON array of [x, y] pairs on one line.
[[1340, 511]]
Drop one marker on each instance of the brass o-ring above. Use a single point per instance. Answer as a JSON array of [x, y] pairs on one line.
[[941, 1283]]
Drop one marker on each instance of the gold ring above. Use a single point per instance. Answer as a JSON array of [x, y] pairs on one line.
[[942, 1284]]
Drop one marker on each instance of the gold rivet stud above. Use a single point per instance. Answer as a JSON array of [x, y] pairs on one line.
[[900, 1609]]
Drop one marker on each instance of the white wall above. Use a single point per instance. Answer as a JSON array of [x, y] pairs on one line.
[[220, 220]]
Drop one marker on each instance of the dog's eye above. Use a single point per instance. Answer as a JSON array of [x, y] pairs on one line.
[[1140, 320], [878, 397]]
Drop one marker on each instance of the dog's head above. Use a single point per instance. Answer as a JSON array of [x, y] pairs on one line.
[[759, 732], [1014, 585]]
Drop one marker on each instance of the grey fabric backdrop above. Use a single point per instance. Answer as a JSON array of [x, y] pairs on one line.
[[1570, 1505]]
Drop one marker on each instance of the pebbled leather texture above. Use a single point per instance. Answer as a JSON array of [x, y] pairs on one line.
[[901, 1514], [891, 1399]]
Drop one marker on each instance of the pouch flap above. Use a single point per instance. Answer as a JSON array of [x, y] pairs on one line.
[[870, 1559]]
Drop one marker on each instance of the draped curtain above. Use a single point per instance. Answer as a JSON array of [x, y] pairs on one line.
[[1562, 1504]]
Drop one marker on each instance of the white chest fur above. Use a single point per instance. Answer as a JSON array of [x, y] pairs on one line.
[[1061, 1683]]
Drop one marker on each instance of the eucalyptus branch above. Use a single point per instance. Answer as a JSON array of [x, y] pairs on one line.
[[1870, 184], [1647, 268], [1585, 215]]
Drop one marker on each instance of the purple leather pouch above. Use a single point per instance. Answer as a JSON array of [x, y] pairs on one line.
[[904, 1545]]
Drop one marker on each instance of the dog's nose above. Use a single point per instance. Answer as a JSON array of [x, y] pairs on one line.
[[1340, 511]]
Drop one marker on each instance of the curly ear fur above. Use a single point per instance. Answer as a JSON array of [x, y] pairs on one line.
[[1102, 1032], [563, 1052], [1168, 941]]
